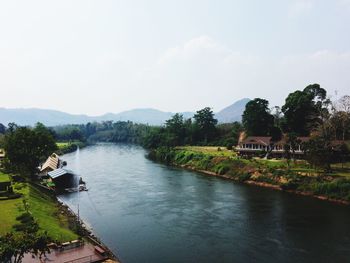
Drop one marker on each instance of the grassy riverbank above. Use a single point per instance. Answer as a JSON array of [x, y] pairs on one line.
[[298, 177], [43, 207], [71, 146]]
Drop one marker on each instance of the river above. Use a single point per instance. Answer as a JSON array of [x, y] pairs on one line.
[[149, 212]]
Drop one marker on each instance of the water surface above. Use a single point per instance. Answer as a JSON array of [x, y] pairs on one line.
[[148, 212]]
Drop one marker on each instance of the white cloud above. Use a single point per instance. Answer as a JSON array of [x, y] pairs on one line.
[[203, 72], [299, 7]]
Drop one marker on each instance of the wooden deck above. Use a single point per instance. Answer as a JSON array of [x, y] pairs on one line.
[[84, 254]]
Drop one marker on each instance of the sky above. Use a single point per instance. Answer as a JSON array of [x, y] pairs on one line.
[[93, 57]]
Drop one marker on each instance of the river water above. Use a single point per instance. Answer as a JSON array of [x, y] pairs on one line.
[[148, 212]]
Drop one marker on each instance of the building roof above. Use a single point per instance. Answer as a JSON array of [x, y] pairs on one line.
[[265, 140], [52, 162], [59, 172]]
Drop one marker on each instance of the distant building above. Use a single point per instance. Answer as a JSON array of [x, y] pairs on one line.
[[53, 162], [263, 145]]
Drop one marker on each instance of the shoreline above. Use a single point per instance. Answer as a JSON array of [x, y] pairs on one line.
[[88, 234], [266, 185], [84, 231]]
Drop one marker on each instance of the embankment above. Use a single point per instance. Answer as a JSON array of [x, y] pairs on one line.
[[274, 175]]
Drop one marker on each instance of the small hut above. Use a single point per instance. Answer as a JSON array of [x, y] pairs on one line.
[[52, 163], [63, 178]]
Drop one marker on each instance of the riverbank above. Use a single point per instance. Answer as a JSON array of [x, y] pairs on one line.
[[71, 146], [299, 178], [52, 215], [44, 209]]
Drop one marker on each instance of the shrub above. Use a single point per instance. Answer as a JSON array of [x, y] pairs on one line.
[[244, 177]]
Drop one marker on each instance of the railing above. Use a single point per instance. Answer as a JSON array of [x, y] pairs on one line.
[[261, 150], [86, 259]]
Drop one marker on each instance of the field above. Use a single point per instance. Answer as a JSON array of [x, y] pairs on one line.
[[212, 150], [43, 208], [62, 145], [67, 147]]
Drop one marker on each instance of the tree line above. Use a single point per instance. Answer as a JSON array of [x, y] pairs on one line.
[[307, 112]]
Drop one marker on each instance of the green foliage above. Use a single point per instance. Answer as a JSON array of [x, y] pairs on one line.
[[26, 148], [205, 125], [222, 168], [27, 223], [339, 189], [244, 177], [257, 119], [302, 109], [13, 246]]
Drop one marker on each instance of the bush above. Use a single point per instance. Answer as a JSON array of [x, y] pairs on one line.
[[221, 168], [244, 177], [336, 189]]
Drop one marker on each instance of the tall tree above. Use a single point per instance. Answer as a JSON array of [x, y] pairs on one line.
[[341, 117], [206, 124], [176, 129], [302, 109], [257, 119], [26, 148]]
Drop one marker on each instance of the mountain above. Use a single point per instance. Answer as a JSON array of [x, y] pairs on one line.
[[150, 116], [233, 112], [53, 117], [47, 117]]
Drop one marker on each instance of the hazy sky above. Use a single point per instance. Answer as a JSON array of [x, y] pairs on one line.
[[102, 56]]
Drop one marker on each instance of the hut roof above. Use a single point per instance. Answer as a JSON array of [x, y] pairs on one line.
[[52, 162], [59, 172]]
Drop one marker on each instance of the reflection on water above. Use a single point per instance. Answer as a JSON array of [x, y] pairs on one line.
[[147, 212]]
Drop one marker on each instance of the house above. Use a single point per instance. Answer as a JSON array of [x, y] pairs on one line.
[[53, 162], [265, 146], [2, 153], [63, 178]]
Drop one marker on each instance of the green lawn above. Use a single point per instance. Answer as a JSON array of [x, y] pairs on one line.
[[4, 177], [43, 208], [212, 150], [62, 145]]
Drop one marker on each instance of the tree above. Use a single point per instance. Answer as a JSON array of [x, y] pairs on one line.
[[2, 128], [302, 109], [341, 117], [257, 119], [14, 246], [176, 129], [290, 146], [205, 124], [26, 148], [319, 152]]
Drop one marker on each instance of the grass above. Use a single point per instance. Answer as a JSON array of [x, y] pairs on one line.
[[4, 177], [47, 212], [62, 145], [43, 208], [212, 150]]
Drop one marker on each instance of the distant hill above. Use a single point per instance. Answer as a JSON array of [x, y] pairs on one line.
[[148, 116], [53, 117], [233, 112]]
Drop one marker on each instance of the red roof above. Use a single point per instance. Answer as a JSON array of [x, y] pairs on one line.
[[265, 140]]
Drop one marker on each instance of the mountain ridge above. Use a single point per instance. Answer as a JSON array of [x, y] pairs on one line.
[[151, 116]]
